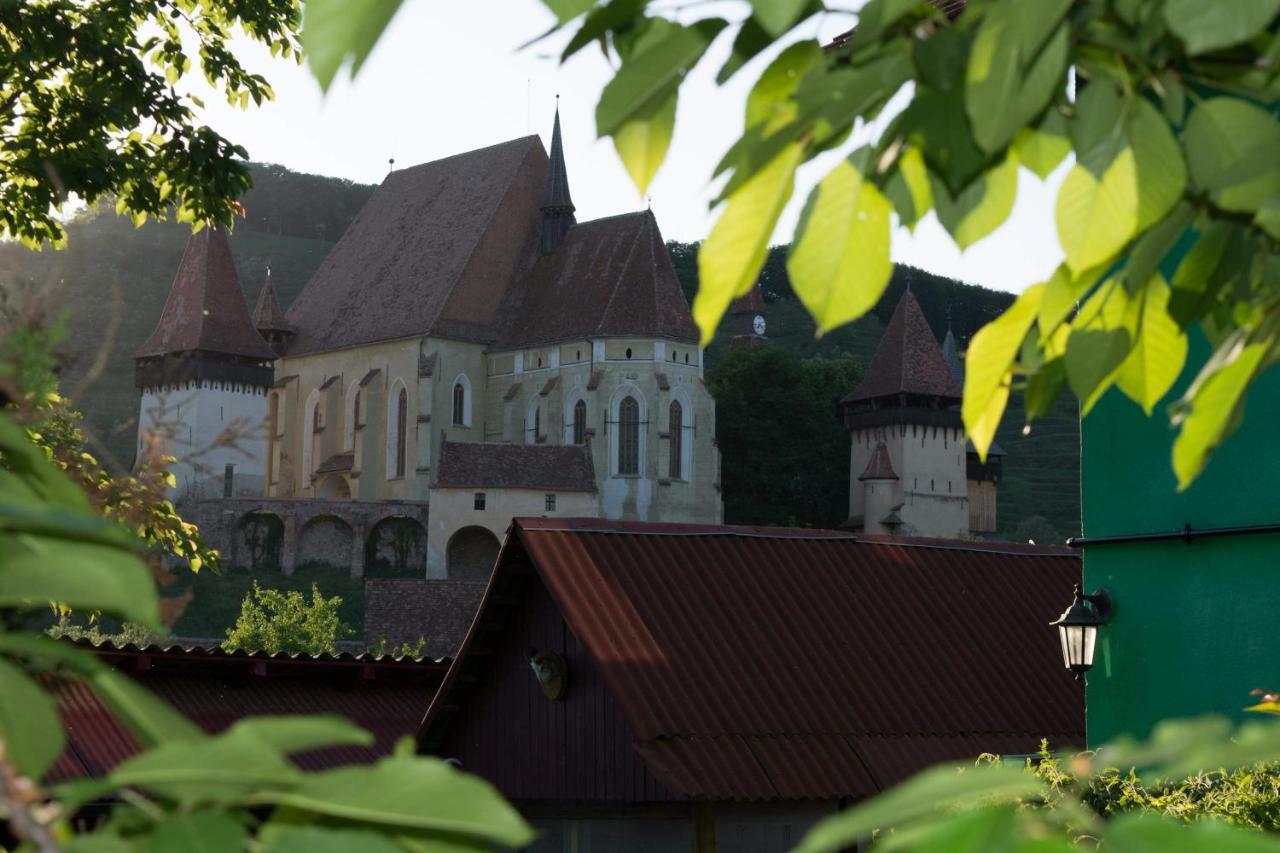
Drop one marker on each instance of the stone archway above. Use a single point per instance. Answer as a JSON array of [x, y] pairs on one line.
[[471, 553], [334, 488], [258, 541], [325, 541], [396, 548]]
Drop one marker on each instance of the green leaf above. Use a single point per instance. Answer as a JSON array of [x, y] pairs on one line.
[[567, 10], [988, 367], [198, 832], [289, 734], [750, 41], [936, 123], [1208, 26], [876, 17], [219, 769], [642, 142], [315, 839], [39, 570], [1099, 343], [1096, 218], [1268, 217], [1162, 175], [777, 16], [1212, 408], [1219, 259], [102, 841], [734, 251], [335, 31], [1063, 291], [1043, 148], [769, 101], [982, 207], [1159, 351], [840, 265], [926, 794], [1231, 150], [908, 188], [614, 15], [649, 76], [1152, 247], [410, 792], [1142, 832], [29, 725]]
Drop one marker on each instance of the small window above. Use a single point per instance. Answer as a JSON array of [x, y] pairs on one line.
[[628, 437], [550, 503], [675, 469], [578, 357], [228, 480], [459, 404], [355, 411], [628, 352], [686, 358], [580, 422], [539, 361], [402, 429], [479, 501]]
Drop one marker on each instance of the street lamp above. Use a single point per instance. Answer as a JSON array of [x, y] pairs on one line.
[[1078, 628]]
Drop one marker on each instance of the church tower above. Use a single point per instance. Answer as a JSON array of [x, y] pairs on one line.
[[907, 461], [203, 375], [557, 206]]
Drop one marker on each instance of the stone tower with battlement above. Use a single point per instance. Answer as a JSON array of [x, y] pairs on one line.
[[907, 462], [204, 375]]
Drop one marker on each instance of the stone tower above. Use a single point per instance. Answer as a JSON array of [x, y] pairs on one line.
[[907, 461], [746, 318], [203, 375]]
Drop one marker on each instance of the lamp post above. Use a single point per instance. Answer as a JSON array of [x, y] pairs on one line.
[[1078, 628]]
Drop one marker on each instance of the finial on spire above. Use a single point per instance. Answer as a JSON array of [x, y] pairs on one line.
[[391, 165]]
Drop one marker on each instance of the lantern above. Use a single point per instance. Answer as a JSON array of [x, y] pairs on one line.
[[1078, 628]]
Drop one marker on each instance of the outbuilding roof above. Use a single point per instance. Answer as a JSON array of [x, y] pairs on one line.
[[554, 467], [206, 311], [756, 664]]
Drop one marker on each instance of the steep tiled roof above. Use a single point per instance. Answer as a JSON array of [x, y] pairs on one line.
[[562, 468], [438, 612], [750, 303], [880, 465], [434, 250], [609, 277], [206, 311], [267, 315], [951, 355], [757, 664], [908, 360], [337, 462]]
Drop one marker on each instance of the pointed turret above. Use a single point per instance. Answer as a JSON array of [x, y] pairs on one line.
[[557, 205], [951, 355], [908, 367], [269, 319]]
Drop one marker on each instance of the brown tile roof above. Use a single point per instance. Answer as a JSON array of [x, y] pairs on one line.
[[406, 611], [284, 380], [267, 315], [750, 303], [609, 277], [433, 251], [370, 376], [880, 465], [337, 462], [512, 392], [206, 311], [563, 468], [766, 664], [329, 382], [908, 360], [549, 386]]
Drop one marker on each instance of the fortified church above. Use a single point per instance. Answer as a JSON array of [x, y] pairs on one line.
[[467, 352]]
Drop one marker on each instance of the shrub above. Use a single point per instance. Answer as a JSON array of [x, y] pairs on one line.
[[273, 621]]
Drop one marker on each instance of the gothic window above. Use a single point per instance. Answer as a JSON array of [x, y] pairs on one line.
[[355, 411], [628, 437], [533, 424], [459, 404], [315, 419], [580, 422], [676, 466], [402, 423]]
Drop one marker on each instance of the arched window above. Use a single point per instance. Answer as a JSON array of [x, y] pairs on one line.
[[628, 437], [533, 424], [402, 424], [353, 417], [310, 438], [459, 404], [580, 422], [675, 469], [355, 411]]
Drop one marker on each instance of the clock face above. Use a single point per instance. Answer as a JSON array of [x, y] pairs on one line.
[[757, 325]]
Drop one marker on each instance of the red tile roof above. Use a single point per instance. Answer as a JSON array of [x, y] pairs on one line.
[[267, 315], [555, 467], [433, 251], [880, 465], [908, 360], [206, 311], [773, 664], [214, 689], [609, 277], [750, 303], [408, 610]]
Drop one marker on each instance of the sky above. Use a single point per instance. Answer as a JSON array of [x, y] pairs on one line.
[[451, 76]]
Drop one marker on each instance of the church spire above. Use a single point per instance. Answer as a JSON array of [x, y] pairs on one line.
[[557, 206], [269, 319]]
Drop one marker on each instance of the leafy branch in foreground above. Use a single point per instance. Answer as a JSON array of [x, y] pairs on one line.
[[1173, 142]]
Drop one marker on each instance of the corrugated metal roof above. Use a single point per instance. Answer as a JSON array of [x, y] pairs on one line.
[[212, 688], [762, 663]]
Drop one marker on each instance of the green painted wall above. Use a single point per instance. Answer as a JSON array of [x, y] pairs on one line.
[[1194, 626]]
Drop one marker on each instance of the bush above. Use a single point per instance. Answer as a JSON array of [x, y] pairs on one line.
[[273, 621]]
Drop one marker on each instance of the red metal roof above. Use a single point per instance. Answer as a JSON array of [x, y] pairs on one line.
[[908, 360], [214, 689], [767, 664]]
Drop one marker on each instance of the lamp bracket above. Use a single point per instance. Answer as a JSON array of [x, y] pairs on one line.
[[1100, 598]]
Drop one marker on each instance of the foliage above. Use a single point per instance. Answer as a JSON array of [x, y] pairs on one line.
[[272, 621], [96, 103], [1086, 801], [1171, 140], [778, 429], [405, 650], [130, 632]]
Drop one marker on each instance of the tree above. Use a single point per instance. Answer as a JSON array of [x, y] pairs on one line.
[[1172, 143], [781, 438], [94, 105], [272, 621]]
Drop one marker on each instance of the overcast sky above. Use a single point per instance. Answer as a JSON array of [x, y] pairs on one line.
[[450, 77]]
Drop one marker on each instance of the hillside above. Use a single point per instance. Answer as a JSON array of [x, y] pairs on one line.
[[292, 221]]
